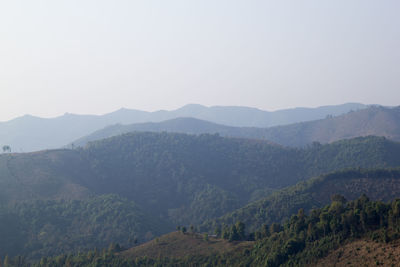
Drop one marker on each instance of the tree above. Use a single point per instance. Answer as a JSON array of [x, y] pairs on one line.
[[338, 198], [265, 230], [205, 237], [225, 232], [233, 234], [6, 262], [240, 227], [218, 231], [6, 148], [275, 228], [114, 247]]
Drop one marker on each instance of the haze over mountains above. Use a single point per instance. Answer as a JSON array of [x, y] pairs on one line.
[[377, 121], [30, 133], [148, 168], [132, 183]]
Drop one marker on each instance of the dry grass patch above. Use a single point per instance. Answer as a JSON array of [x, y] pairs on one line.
[[364, 253], [178, 245]]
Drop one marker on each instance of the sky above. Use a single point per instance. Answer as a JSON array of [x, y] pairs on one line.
[[96, 56]]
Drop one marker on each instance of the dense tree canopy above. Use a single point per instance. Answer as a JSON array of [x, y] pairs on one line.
[[158, 181]]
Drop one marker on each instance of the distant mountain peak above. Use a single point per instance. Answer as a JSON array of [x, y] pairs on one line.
[[192, 107]]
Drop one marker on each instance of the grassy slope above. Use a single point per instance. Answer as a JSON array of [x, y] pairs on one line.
[[363, 252], [179, 245]]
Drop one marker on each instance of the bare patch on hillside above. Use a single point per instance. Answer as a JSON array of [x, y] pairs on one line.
[[364, 253], [179, 245]]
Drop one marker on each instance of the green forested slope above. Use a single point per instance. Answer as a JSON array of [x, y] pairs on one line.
[[198, 177], [52, 174], [301, 241], [178, 125], [379, 184], [41, 228], [175, 178], [182, 178]]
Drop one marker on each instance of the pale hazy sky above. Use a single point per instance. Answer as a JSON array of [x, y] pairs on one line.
[[95, 56]]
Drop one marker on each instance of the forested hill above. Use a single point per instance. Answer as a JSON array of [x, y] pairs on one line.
[[29, 133], [355, 233], [378, 121], [378, 184], [182, 178], [238, 165], [178, 125], [39, 228], [163, 178]]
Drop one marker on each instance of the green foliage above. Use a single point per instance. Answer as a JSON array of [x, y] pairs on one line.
[[300, 241], [6, 148], [205, 237], [46, 228], [314, 193], [235, 233], [174, 178], [190, 179]]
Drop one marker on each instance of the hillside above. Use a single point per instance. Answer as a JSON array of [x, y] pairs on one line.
[[363, 253], [199, 177], [180, 245], [382, 185], [29, 133], [360, 232], [377, 121], [178, 125], [162, 179], [187, 178], [40, 228], [51, 174]]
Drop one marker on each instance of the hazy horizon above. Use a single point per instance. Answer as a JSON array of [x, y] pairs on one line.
[[156, 110], [95, 57]]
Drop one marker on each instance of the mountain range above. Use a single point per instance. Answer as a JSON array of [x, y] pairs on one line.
[[29, 133], [374, 120], [280, 195]]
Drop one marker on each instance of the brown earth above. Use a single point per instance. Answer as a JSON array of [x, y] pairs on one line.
[[178, 245], [364, 253]]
